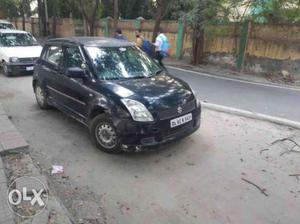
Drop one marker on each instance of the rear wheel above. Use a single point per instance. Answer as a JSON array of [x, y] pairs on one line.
[[41, 96], [104, 134]]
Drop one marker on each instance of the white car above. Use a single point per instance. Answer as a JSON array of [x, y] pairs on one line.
[[4, 24], [18, 51]]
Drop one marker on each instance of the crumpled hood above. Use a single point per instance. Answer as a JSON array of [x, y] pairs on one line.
[[23, 52], [157, 93]]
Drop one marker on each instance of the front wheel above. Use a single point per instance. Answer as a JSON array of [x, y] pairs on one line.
[[104, 134], [41, 97], [6, 72]]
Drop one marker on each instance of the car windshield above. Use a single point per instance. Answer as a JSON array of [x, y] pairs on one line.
[[122, 63], [17, 39], [6, 26]]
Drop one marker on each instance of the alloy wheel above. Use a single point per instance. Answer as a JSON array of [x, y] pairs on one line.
[[106, 135]]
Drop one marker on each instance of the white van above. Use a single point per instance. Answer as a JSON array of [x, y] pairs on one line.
[[18, 51]]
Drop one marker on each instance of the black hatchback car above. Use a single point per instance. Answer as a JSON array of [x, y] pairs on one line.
[[124, 97]]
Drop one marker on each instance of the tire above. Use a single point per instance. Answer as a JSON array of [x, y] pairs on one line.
[[41, 96], [5, 70], [104, 135]]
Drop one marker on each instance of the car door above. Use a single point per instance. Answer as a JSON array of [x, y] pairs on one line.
[[76, 89], [52, 70]]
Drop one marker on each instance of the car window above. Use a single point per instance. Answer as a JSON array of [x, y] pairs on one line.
[[17, 39], [72, 57], [54, 55], [6, 26]]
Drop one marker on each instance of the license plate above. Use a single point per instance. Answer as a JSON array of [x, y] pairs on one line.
[[30, 68], [181, 120]]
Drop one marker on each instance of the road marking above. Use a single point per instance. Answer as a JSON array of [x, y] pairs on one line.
[[250, 114], [235, 80]]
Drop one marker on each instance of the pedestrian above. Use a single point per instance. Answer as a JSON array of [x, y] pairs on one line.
[[144, 44], [162, 46], [139, 38], [118, 35]]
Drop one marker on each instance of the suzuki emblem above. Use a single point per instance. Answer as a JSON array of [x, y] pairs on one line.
[[179, 109]]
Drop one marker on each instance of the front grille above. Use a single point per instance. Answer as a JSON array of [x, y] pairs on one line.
[[27, 60], [173, 112]]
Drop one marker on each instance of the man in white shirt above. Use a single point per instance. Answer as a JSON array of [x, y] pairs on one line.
[[161, 46]]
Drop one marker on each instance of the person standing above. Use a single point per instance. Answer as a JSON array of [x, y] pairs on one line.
[[139, 38], [118, 35], [144, 44], [162, 46]]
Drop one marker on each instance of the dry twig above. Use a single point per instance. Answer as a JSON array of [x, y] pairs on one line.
[[295, 175], [287, 151], [261, 151], [262, 190]]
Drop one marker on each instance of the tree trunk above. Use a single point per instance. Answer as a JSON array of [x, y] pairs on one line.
[[46, 18], [54, 18], [116, 13], [23, 14], [161, 11], [158, 19], [90, 19], [198, 47], [40, 13], [54, 21], [92, 28]]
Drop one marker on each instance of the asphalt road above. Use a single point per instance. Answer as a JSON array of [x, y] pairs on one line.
[[265, 99], [196, 180]]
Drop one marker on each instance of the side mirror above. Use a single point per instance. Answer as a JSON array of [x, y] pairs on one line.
[[76, 73]]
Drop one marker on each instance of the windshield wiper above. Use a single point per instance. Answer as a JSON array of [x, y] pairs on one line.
[[157, 72]]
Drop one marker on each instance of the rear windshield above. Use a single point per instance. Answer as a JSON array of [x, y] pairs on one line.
[[17, 39], [122, 63]]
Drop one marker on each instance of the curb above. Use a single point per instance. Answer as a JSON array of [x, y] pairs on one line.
[[11, 140], [252, 115]]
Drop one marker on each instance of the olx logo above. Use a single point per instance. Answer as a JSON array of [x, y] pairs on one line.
[[23, 196], [27, 194]]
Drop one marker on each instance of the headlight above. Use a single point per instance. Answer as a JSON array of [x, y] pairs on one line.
[[14, 59], [137, 110], [193, 91], [198, 103]]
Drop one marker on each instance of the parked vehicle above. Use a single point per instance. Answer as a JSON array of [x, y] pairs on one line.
[[4, 24], [114, 88], [18, 51]]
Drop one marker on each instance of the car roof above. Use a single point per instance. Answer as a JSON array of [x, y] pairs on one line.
[[5, 21], [12, 31], [93, 41]]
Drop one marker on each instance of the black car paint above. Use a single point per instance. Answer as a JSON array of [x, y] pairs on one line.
[[85, 98]]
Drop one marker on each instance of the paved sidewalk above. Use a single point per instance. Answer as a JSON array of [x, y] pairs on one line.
[[10, 141]]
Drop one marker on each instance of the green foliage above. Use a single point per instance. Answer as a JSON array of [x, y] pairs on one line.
[[9, 8], [276, 11], [13, 8], [178, 9], [132, 9], [203, 12], [64, 9]]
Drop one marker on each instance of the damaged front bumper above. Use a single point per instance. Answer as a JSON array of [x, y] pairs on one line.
[[136, 136]]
